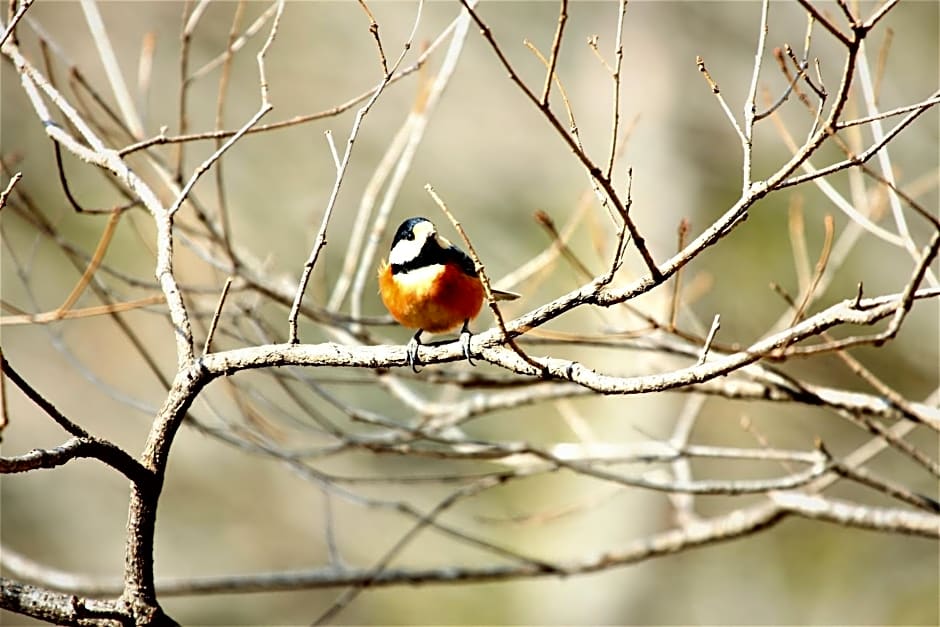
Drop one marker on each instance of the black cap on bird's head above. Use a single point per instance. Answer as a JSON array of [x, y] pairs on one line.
[[406, 230], [417, 245]]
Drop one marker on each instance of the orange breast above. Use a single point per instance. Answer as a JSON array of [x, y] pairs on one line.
[[436, 299]]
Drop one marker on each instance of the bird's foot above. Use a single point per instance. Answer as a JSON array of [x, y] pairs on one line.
[[465, 336], [412, 348]]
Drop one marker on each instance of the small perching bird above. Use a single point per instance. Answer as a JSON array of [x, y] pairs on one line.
[[430, 285]]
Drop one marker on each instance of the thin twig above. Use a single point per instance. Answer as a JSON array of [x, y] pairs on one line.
[[799, 65], [191, 17], [884, 159], [320, 240], [797, 231], [382, 564], [716, 324], [684, 504], [223, 209], [905, 302], [882, 61], [546, 222], [821, 263], [813, 174], [750, 103], [593, 170], [9, 188], [891, 488], [592, 44], [20, 12], [354, 256], [484, 279], [234, 46], [215, 156], [410, 136], [553, 56], [681, 233], [924, 104], [829, 26], [847, 12], [572, 124], [748, 426], [4, 404], [216, 315], [876, 17], [616, 77], [700, 63], [162, 138], [784, 96], [63, 179], [103, 243], [263, 110], [84, 312], [374, 30], [113, 70], [333, 152], [148, 47]]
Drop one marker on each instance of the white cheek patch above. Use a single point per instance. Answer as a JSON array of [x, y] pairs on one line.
[[423, 230], [419, 279], [405, 250], [443, 242]]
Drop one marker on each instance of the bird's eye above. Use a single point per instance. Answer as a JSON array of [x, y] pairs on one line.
[[409, 235]]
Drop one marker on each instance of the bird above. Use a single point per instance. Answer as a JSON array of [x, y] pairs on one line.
[[431, 285]]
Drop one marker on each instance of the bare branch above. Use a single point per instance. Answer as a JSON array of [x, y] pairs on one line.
[[374, 29], [716, 324], [113, 70], [750, 104], [11, 26], [700, 63], [431, 455], [863, 517], [9, 188], [217, 315], [320, 240], [61, 609], [822, 19], [592, 169], [553, 57], [75, 448], [484, 279]]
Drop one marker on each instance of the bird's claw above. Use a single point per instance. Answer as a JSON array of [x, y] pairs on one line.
[[412, 348], [415, 342], [465, 336]]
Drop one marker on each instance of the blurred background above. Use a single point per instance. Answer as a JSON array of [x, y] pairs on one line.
[[495, 161]]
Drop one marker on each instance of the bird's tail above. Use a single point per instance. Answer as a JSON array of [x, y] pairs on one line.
[[504, 295]]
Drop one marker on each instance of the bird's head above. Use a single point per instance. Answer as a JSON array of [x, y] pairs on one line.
[[413, 236]]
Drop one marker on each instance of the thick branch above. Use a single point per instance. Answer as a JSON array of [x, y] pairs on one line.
[[75, 448], [57, 607]]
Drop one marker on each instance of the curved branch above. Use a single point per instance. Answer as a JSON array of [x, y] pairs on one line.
[[861, 516], [75, 448], [863, 312]]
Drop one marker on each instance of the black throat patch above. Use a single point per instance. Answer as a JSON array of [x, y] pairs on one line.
[[432, 254]]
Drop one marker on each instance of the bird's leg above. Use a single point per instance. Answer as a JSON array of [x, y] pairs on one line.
[[412, 347], [465, 335]]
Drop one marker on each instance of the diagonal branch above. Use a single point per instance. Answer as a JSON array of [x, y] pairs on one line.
[[592, 168]]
